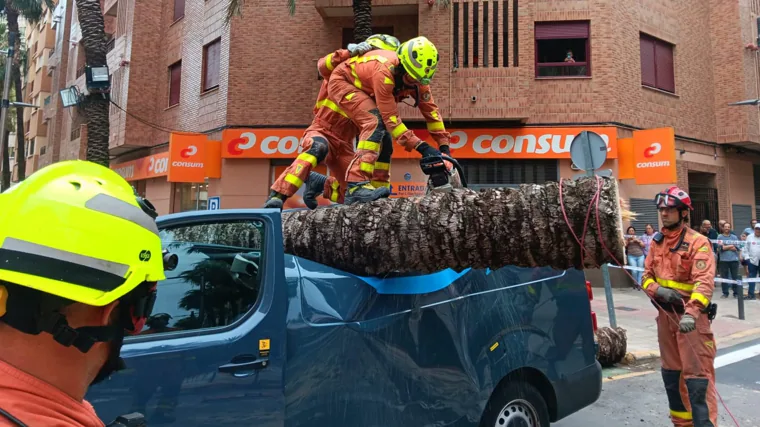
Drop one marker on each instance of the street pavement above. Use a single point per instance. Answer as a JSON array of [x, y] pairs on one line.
[[635, 396], [636, 314]]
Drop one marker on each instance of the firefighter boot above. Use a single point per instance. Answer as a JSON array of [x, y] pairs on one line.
[[275, 201], [362, 192], [314, 187]]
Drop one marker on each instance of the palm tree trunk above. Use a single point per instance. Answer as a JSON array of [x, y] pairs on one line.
[[12, 15], [5, 180], [362, 20], [95, 105], [20, 142], [493, 228]]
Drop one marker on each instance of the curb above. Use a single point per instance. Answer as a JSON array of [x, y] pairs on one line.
[[637, 357]]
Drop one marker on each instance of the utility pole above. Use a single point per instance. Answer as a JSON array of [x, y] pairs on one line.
[[5, 105]]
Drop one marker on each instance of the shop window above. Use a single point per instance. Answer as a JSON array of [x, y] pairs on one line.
[[179, 9], [211, 64], [563, 49], [657, 64], [175, 81], [217, 280], [191, 196], [495, 173]]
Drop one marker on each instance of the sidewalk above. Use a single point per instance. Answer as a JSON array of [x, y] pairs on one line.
[[636, 314]]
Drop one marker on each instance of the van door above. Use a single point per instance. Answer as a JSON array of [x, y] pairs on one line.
[[213, 351]]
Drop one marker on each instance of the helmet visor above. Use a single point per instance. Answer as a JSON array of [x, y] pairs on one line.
[[667, 201]]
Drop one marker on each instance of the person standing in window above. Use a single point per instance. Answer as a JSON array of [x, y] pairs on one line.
[[634, 247], [729, 259]]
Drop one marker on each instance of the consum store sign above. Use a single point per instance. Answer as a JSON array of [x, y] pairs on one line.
[[514, 143]]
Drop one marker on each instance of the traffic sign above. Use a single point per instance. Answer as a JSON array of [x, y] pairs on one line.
[[213, 203]]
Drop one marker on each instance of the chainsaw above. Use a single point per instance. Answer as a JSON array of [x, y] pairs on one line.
[[440, 179]]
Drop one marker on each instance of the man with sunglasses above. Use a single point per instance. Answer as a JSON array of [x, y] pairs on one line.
[[80, 257], [679, 274]]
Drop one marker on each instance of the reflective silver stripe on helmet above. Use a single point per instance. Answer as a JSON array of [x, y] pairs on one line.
[[119, 208], [409, 54], [110, 267]]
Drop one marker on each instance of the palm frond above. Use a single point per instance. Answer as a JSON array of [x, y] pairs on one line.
[[234, 8], [292, 7], [31, 10]]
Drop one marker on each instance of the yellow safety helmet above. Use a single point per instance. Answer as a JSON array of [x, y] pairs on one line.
[[383, 41], [419, 57], [76, 230]]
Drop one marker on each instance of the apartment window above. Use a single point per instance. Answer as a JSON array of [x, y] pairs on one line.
[[482, 31], [563, 49], [179, 9], [211, 65], [657, 64], [175, 81]]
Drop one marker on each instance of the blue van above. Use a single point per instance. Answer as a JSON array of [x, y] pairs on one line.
[[243, 334]]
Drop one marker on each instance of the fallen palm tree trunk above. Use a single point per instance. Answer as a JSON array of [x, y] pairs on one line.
[[612, 345], [491, 228]]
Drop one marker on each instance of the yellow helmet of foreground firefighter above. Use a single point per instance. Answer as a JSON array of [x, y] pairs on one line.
[[419, 57], [384, 42], [77, 230]]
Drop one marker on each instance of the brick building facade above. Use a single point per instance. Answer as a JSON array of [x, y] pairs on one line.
[[638, 65]]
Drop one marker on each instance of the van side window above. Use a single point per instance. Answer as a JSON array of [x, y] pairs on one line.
[[217, 280]]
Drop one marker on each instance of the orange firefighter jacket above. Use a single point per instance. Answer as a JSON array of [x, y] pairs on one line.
[[328, 117], [429, 111], [688, 268], [373, 73]]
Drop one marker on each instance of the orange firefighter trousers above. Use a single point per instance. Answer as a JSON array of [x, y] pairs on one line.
[[318, 143], [687, 366], [364, 113]]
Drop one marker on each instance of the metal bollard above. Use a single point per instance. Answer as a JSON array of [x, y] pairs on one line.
[[608, 293], [740, 297]]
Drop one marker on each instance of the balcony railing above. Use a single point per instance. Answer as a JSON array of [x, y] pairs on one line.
[[111, 44]]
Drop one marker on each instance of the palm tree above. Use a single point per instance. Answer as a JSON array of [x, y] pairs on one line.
[[524, 227], [95, 106], [31, 10]]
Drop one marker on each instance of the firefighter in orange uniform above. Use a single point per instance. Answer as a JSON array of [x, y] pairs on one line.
[[364, 88], [407, 87], [328, 138], [679, 274]]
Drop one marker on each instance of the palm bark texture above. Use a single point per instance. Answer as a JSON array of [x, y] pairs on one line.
[[95, 106], [492, 228]]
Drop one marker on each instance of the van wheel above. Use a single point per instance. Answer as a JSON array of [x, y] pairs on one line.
[[518, 404]]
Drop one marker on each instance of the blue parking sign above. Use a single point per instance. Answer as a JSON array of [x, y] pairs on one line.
[[213, 203]]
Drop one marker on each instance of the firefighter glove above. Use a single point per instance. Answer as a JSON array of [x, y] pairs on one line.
[[688, 323], [359, 49], [445, 149], [426, 150], [668, 295]]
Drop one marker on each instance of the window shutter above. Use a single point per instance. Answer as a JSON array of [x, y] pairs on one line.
[[664, 59], [179, 9], [175, 81], [742, 218], [562, 30], [211, 79], [648, 75], [646, 213]]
